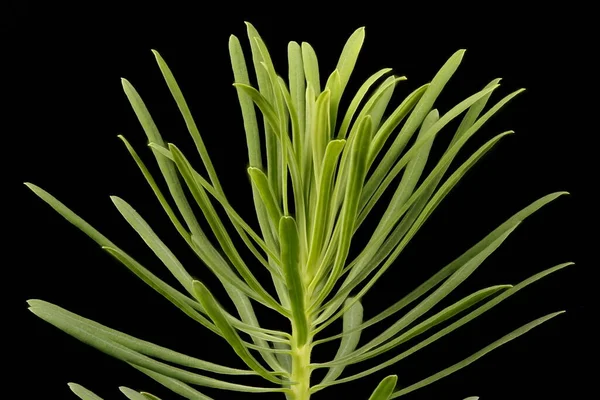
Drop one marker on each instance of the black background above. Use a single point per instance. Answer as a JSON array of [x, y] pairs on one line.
[[65, 108]]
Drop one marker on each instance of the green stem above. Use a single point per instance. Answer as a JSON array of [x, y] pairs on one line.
[[301, 371]]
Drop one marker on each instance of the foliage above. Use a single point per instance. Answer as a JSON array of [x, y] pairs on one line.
[[317, 172]]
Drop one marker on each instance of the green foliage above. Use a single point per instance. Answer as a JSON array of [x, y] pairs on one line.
[[339, 164]]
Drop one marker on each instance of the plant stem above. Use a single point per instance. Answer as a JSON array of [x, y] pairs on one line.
[[301, 371], [301, 348]]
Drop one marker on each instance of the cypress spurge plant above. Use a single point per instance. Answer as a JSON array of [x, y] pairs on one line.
[[326, 169]]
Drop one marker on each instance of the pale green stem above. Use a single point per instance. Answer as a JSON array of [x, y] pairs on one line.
[[301, 371], [300, 354]]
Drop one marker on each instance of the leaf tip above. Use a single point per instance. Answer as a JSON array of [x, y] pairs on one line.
[[33, 302], [116, 200], [75, 387]]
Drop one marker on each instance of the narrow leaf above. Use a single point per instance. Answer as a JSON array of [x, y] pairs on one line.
[[173, 384], [288, 234], [385, 388], [450, 328], [358, 98], [297, 87], [152, 240], [321, 214], [378, 345], [149, 396], [320, 131], [141, 346], [416, 118], [240, 74], [473, 113], [260, 181], [263, 104], [351, 336], [458, 262], [356, 176], [349, 56], [311, 68], [460, 365], [216, 315], [167, 168], [392, 122], [158, 193], [435, 201], [124, 354], [83, 393], [257, 292], [187, 116], [260, 57], [132, 394]]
